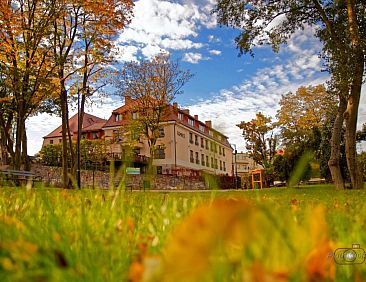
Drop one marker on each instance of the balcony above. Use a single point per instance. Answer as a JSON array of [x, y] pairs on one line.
[[127, 158]]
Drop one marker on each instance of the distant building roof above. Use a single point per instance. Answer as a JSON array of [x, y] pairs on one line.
[[170, 115], [90, 123]]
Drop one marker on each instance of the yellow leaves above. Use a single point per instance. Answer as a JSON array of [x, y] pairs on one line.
[[12, 221], [305, 109], [320, 266], [211, 232], [19, 251], [232, 238]]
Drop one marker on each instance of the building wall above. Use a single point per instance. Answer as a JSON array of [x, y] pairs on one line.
[[177, 147], [52, 141], [178, 151], [245, 164]]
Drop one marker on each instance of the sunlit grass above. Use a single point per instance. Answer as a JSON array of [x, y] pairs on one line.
[[95, 235]]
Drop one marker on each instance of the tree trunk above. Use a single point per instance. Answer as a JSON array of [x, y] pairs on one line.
[[6, 138], [17, 162], [353, 102], [26, 161], [335, 145], [350, 134], [63, 101], [71, 155]]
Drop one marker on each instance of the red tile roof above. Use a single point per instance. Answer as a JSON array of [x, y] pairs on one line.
[[172, 115], [90, 123]]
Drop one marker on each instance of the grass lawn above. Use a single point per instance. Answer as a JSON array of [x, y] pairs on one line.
[[278, 234]]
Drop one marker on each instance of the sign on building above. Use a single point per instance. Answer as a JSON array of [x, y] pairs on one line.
[[132, 170]]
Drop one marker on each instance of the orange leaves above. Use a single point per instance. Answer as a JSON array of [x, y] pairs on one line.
[[320, 266], [232, 238], [222, 229]]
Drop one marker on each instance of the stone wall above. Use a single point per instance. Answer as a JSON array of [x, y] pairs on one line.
[[99, 179]]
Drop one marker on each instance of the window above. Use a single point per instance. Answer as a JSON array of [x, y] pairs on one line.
[[202, 143], [191, 156], [219, 149], [161, 132], [224, 166], [51, 141], [159, 152], [159, 169], [196, 140], [191, 122], [135, 115], [206, 144], [220, 165], [207, 162], [191, 137], [180, 116], [95, 135], [212, 163], [60, 141], [215, 146], [118, 117], [202, 159], [212, 146], [197, 158], [135, 135], [223, 151], [210, 133], [216, 166], [117, 135], [201, 128]]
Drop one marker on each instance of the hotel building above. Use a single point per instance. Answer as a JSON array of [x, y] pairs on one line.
[[185, 146]]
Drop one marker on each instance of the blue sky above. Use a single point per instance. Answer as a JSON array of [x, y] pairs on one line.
[[225, 88]]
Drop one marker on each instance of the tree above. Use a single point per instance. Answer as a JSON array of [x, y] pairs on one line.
[[304, 117], [152, 85], [261, 142], [83, 33], [362, 160], [25, 68], [341, 25], [303, 111], [361, 134]]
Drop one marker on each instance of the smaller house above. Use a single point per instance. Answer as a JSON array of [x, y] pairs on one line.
[[91, 129], [243, 166]]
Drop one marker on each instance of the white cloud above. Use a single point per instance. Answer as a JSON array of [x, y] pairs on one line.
[[192, 58], [162, 25], [263, 90], [212, 38], [215, 52]]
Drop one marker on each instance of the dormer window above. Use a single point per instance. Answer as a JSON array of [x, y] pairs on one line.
[[135, 115], [119, 117], [191, 122], [180, 116]]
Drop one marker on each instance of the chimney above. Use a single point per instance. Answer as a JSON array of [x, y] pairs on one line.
[[175, 105], [196, 117], [186, 111], [208, 123], [128, 100]]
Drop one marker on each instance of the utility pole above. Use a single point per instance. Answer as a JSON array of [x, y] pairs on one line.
[[235, 170]]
